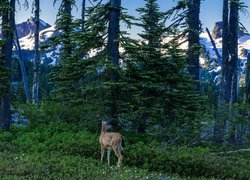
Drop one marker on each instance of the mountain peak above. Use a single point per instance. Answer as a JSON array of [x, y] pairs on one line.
[[28, 27]]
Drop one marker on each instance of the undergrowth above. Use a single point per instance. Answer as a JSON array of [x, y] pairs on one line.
[[66, 151]]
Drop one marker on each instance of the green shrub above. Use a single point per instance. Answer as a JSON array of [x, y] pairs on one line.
[[55, 166], [56, 112], [192, 162], [64, 140]]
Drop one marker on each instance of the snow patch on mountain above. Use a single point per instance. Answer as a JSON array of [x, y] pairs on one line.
[[211, 62], [208, 58], [28, 42]]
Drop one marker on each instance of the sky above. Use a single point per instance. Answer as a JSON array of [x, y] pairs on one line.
[[211, 11]]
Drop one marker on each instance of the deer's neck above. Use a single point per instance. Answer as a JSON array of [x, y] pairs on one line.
[[104, 129]]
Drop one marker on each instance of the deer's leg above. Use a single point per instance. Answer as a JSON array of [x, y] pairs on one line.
[[119, 156], [102, 152], [109, 151]]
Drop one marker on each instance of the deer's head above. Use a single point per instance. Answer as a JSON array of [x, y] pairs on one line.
[[105, 126]]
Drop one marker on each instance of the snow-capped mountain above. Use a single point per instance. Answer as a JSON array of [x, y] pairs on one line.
[[243, 46], [28, 42], [208, 59], [28, 27]]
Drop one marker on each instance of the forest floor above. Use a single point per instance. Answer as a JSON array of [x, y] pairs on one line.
[[59, 151], [27, 154]]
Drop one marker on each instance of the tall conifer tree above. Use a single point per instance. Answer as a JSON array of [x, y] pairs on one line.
[[193, 21], [7, 32], [64, 70], [35, 88], [113, 55], [233, 48], [155, 72]]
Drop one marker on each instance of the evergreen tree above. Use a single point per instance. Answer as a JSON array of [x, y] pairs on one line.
[[64, 71], [35, 89], [247, 81], [146, 66], [194, 40], [224, 93], [7, 32], [3, 70], [233, 48], [230, 47], [113, 56], [186, 15], [161, 91], [103, 68], [83, 13], [229, 82], [78, 66], [225, 54], [21, 61], [97, 51]]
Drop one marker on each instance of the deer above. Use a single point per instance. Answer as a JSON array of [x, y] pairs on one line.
[[110, 140]]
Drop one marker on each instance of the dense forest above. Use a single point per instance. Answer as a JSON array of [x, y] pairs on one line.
[[181, 112]]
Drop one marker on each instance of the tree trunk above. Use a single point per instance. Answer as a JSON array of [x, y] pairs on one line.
[[66, 28], [233, 49], [223, 96], [113, 54], [193, 40], [218, 124], [35, 89], [226, 77], [7, 32], [23, 70], [247, 81], [83, 13]]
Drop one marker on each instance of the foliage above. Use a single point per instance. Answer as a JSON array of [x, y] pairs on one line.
[[161, 91], [155, 97], [50, 112], [4, 73], [60, 150], [65, 74], [56, 166], [194, 162]]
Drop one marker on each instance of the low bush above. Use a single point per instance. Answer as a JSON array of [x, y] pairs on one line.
[[58, 151], [56, 112], [184, 161], [55, 166], [68, 140]]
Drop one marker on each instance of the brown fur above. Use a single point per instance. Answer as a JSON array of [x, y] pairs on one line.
[[110, 140]]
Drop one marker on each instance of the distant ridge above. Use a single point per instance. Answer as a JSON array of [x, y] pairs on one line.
[[28, 27]]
